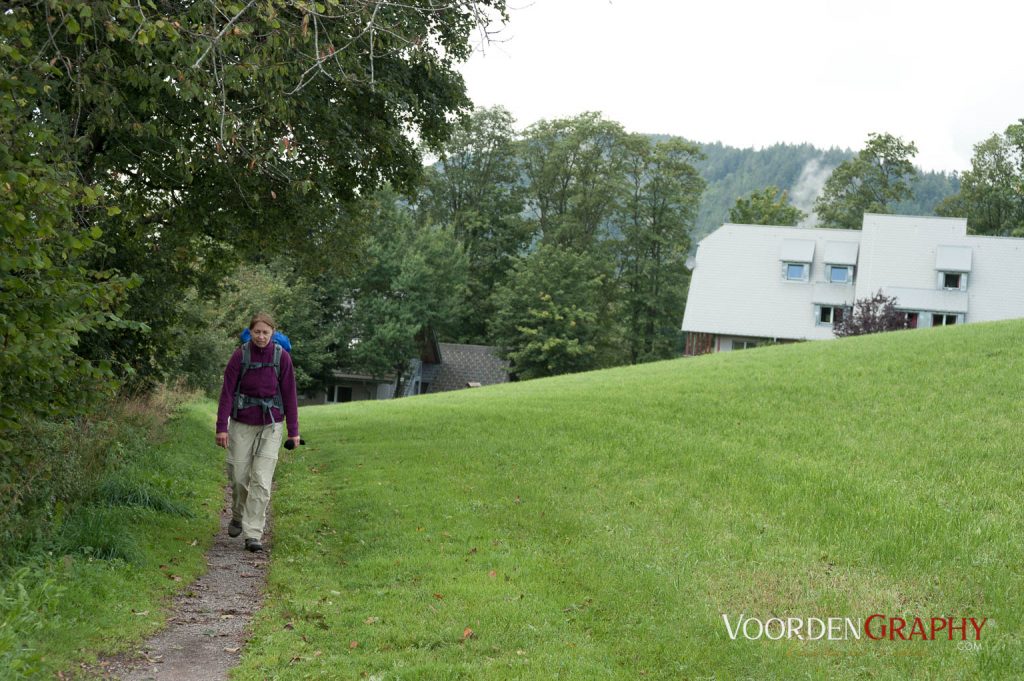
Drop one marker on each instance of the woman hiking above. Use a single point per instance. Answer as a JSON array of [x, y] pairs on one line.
[[258, 395]]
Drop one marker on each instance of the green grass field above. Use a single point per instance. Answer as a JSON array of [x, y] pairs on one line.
[[594, 526], [597, 526]]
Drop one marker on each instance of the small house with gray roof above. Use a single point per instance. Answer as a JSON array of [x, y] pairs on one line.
[[453, 366]]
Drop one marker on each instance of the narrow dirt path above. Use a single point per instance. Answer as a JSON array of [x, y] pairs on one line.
[[210, 620]]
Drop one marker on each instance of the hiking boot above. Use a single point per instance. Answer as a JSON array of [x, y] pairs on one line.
[[234, 528], [253, 545]]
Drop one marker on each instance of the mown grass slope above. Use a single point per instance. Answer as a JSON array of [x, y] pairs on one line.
[[597, 526]]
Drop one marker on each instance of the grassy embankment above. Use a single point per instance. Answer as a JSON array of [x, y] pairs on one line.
[[597, 526], [99, 581]]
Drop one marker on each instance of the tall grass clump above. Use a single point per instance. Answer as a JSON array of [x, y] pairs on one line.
[[28, 601], [123, 490]]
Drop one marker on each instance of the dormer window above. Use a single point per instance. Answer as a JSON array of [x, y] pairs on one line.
[[954, 281], [796, 256], [795, 271], [952, 265], [839, 274], [840, 259]]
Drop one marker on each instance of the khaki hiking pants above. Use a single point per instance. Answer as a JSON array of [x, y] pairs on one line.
[[252, 458]]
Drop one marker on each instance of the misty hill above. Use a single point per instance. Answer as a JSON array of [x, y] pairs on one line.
[[802, 169]]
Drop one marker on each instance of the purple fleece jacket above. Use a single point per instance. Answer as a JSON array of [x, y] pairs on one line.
[[259, 383]]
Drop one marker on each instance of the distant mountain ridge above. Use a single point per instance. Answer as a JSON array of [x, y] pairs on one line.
[[800, 169]]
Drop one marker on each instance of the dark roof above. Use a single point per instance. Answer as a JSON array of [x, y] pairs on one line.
[[353, 375], [463, 364]]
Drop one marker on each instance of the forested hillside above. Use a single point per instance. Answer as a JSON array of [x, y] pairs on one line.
[[800, 169]]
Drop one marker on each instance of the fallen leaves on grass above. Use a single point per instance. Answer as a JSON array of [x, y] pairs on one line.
[[467, 634]]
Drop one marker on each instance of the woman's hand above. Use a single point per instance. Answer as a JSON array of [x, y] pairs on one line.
[[222, 440], [295, 441]]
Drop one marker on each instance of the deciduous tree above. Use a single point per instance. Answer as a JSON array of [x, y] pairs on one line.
[[573, 171], [160, 143], [992, 192], [877, 177], [549, 313], [413, 276], [658, 214], [222, 131], [49, 224], [476, 188], [770, 206]]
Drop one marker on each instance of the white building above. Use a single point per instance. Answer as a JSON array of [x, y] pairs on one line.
[[754, 283]]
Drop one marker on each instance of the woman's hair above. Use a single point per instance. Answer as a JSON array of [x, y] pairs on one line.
[[262, 317]]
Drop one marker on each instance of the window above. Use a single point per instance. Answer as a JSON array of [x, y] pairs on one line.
[[795, 271], [829, 315], [911, 318], [944, 319], [953, 281], [743, 344], [839, 274]]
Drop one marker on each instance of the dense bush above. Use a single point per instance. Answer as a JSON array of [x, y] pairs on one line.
[[73, 463], [871, 315]]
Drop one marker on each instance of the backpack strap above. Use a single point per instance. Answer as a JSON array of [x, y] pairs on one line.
[[246, 364]]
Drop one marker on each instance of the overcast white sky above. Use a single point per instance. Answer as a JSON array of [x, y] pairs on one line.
[[945, 75]]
